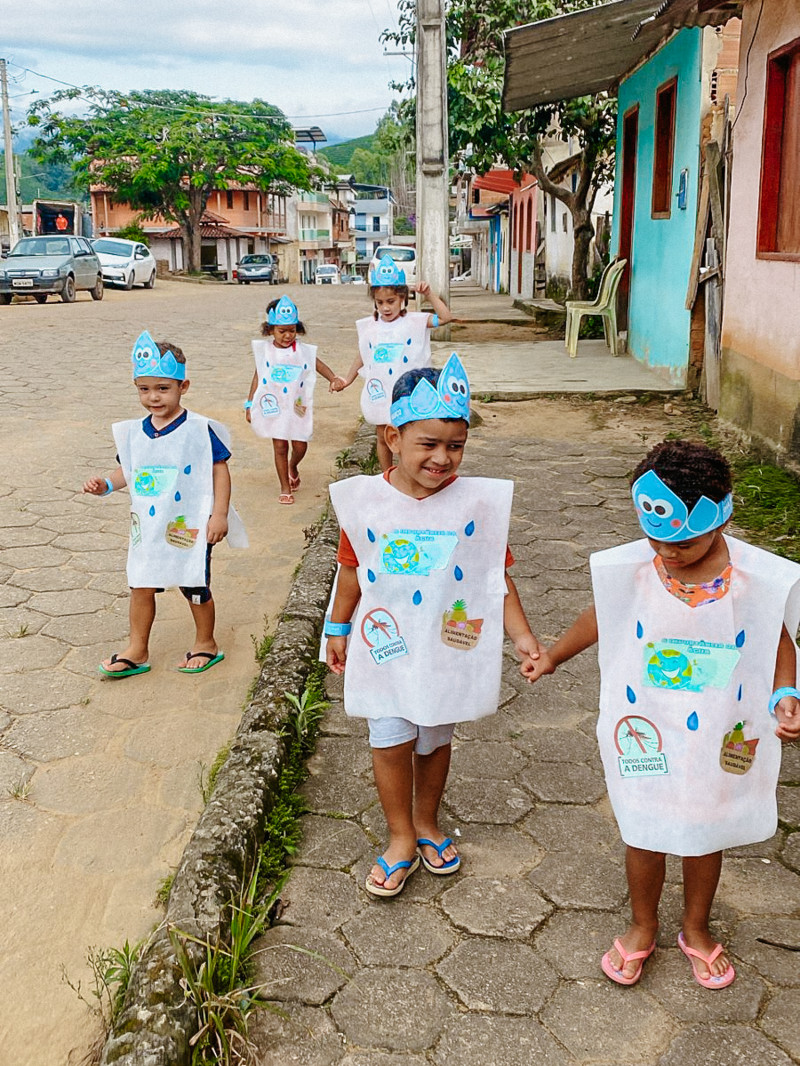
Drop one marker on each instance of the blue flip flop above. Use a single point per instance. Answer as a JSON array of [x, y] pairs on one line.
[[379, 890], [212, 661], [131, 668], [449, 866]]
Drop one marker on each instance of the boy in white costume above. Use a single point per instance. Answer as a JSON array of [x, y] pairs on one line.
[[422, 575], [175, 464], [696, 649], [391, 341], [280, 403]]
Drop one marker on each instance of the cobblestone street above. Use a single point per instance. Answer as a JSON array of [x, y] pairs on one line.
[[500, 964]]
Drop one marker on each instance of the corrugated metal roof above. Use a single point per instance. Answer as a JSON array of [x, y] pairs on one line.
[[589, 51]]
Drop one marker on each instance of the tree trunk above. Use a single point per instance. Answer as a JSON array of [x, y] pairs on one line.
[[191, 227], [582, 234]]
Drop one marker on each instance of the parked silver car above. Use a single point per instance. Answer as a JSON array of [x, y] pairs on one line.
[[260, 266], [52, 265], [125, 262]]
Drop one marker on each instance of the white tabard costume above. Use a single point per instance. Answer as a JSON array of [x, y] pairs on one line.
[[426, 643], [170, 480], [688, 745], [388, 350], [284, 399]]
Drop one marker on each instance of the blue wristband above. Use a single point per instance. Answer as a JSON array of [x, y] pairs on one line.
[[778, 695], [434, 321], [337, 629], [109, 487], [247, 404]]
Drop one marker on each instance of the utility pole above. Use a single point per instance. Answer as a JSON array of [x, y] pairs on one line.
[[11, 181], [433, 170]]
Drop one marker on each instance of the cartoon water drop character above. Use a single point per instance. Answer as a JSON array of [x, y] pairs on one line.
[[669, 668]]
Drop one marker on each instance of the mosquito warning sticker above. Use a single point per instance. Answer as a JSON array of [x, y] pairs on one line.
[[639, 745]]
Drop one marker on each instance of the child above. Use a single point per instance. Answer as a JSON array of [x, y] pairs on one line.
[[696, 648], [176, 466], [390, 342], [423, 559], [280, 404]]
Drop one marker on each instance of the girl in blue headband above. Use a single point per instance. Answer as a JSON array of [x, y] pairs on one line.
[[698, 667], [391, 341]]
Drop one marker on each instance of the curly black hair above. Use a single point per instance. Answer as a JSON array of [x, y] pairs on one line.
[[691, 469], [267, 329]]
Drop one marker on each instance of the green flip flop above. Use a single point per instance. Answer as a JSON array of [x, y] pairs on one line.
[[212, 661], [131, 668]]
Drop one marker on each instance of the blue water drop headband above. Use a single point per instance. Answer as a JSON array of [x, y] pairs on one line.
[[664, 516], [448, 399], [284, 313], [387, 274], [148, 362]]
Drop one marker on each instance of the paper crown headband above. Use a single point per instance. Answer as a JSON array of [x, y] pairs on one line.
[[664, 516], [448, 399], [387, 273], [284, 313], [148, 362]]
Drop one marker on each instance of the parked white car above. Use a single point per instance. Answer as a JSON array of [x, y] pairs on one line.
[[404, 256], [327, 274], [125, 263]]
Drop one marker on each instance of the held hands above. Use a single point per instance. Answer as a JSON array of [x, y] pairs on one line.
[[337, 384], [217, 527], [96, 486], [336, 654], [787, 711], [531, 653]]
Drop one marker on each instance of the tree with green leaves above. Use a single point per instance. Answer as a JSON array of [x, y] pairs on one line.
[[483, 136], [165, 151]]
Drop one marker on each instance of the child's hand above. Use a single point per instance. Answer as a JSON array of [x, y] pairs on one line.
[[247, 414], [787, 711], [534, 667], [337, 384], [336, 654], [217, 528], [423, 288], [96, 486]]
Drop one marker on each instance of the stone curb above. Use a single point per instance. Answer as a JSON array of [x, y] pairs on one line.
[[156, 1022]]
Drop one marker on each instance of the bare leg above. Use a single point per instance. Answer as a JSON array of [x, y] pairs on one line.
[[204, 615], [430, 777], [299, 449], [700, 880], [142, 615], [384, 452], [645, 871], [281, 450], [394, 778]]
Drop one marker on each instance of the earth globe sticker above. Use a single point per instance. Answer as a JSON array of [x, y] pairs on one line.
[[401, 556]]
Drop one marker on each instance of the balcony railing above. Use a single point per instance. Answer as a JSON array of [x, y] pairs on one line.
[[315, 234], [314, 198]]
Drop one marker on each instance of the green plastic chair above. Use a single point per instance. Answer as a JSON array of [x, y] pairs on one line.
[[605, 304]]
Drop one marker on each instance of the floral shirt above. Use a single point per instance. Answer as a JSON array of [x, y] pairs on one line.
[[694, 595]]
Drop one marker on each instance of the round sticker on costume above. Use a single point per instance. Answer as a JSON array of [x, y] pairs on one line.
[[375, 390], [401, 556], [380, 632], [639, 744]]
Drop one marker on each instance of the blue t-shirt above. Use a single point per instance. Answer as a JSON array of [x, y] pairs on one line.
[[219, 453]]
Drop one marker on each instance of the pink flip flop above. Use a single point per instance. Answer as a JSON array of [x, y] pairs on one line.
[[719, 980], [610, 970]]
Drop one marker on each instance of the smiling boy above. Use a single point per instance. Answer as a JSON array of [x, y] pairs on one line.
[[422, 573], [175, 464]]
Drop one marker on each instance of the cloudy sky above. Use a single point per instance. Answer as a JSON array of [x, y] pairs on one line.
[[319, 61]]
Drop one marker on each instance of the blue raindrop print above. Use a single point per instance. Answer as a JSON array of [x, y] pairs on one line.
[[187, 469], [405, 358], [305, 366], [469, 529], [458, 573], [285, 389], [152, 511], [370, 575], [408, 341], [390, 371], [693, 722], [740, 639], [417, 598], [264, 380], [639, 630], [371, 536], [630, 694], [739, 693], [177, 497]]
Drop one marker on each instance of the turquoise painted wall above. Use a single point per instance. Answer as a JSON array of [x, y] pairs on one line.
[[658, 322]]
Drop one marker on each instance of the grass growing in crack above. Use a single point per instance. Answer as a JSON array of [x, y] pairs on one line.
[[111, 970], [164, 889], [206, 779], [21, 631], [343, 459], [370, 465], [21, 789], [262, 644]]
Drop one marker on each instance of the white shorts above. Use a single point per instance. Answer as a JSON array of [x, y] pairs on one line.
[[389, 732]]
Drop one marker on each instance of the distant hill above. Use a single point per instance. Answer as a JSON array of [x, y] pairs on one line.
[[340, 154]]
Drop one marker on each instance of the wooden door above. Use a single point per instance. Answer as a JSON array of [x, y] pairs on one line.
[[630, 142]]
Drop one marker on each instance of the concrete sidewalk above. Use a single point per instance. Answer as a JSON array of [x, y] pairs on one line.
[[500, 963]]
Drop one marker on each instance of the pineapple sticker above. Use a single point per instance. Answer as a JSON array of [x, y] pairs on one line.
[[738, 753], [299, 407], [458, 630], [179, 535]]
